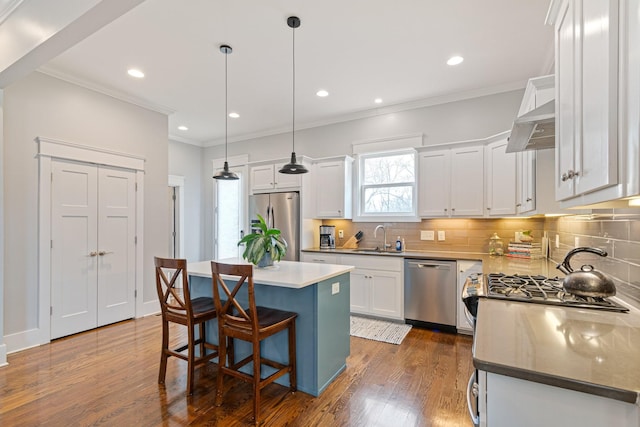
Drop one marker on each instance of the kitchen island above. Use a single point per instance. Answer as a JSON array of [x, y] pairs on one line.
[[319, 293]]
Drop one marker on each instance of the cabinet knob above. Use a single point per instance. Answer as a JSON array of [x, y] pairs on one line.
[[569, 175], [488, 208], [529, 199], [518, 205]]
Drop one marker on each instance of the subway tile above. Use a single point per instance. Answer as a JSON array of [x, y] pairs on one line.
[[627, 251], [615, 229]]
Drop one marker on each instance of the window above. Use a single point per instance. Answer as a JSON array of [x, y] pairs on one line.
[[387, 184]]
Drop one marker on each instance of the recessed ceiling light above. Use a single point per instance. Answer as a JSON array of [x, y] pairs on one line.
[[183, 128], [455, 60], [234, 115], [378, 100], [322, 93], [135, 73]]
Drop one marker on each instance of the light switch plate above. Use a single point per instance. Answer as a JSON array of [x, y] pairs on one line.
[[335, 288], [557, 241], [441, 235], [576, 241], [427, 235]]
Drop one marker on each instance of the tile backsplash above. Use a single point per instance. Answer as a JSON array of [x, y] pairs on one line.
[[615, 230]]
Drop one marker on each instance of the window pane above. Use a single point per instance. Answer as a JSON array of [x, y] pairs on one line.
[[389, 169], [229, 218], [388, 199]]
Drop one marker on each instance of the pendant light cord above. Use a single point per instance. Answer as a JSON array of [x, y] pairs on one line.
[[293, 133], [226, 105]]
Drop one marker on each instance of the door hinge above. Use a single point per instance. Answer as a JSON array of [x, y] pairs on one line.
[[50, 310], [135, 293], [51, 243], [136, 185], [51, 176], [135, 240]]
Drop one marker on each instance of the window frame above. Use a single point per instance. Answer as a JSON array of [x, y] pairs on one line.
[[360, 187]]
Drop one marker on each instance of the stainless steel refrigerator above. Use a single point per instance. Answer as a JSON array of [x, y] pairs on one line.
[[281, 211]]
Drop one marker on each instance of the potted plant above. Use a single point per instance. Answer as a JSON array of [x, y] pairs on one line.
[[265, 246]]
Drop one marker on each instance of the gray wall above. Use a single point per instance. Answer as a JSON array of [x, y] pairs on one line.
[[40, 105], [454, 121], [186, 160]]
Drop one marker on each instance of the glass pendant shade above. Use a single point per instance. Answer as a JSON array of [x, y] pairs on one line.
[[293, 167], [225, 173]]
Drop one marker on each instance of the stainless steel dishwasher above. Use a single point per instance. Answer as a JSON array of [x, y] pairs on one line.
[[430, 289]]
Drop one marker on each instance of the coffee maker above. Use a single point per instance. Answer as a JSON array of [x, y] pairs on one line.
[[327, 237]]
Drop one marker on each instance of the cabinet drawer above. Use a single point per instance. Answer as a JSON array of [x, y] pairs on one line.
[[372, 262], [321, 258]]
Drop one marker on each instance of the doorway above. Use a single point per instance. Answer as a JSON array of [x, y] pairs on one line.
[[176, 216]]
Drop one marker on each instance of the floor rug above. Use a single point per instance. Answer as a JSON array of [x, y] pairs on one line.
[[378, 330]]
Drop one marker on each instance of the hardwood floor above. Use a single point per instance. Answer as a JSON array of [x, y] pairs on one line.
[[109, 376]]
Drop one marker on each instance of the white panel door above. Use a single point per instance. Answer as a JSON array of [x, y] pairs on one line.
[[74, 260], [501, 179], [386, 294], [116, 245], [467, 181], [435, 183]]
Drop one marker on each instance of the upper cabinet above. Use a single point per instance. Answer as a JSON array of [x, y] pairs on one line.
[[526, 181], [451, 181], [588, 169], [501, 179], [266, 178], [333, 183]]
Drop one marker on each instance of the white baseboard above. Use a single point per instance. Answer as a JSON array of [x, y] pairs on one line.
[[149, 308], [23, 340]]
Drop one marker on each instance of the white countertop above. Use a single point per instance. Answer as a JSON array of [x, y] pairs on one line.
[[596, 352], [288, 274]]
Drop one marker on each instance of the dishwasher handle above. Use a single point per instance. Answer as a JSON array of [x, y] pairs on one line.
[[438, 266]]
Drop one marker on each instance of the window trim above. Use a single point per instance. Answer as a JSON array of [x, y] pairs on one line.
[[359, 187]]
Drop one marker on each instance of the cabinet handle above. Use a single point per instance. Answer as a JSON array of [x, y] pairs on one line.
[[569, 175], [103, 253], [445, 209], [93, 253], [518, 205], [529, 199], [488, 208]]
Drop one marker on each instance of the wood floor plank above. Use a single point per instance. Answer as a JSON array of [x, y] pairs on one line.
[[108, 377]]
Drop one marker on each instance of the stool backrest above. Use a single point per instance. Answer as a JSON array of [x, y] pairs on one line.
[[170, 273], [230, 311]]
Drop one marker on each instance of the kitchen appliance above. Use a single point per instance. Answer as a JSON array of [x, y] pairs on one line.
[[430, 290], [327, 237], [520, 288], [587, 282], [281, 211]]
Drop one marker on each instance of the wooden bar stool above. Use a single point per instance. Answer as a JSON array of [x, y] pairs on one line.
[[252, 324], [178, 307]]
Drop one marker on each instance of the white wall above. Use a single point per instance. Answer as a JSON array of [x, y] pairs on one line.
[[186, 161], [40, 105], [3, 347], [454, 121]]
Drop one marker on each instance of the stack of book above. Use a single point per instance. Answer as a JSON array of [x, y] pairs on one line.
[[527, 250]]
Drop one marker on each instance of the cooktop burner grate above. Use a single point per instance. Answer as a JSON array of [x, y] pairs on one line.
[[543, 290]]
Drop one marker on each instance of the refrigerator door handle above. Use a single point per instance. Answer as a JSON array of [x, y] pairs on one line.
[[273, 218]]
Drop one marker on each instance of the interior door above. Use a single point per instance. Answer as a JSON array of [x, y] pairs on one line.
[[74, 256], [116, 245]]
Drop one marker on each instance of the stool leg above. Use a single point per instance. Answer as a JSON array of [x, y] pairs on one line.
[[164, 355], [293, 382], [256, 380], [190, 358], [222, 355]]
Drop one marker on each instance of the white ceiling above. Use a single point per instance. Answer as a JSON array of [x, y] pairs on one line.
[[357, 50]]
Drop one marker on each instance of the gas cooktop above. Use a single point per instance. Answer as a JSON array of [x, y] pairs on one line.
[[542, 290]]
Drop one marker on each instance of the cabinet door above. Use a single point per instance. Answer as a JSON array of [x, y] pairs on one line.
[[262, 178], [526, 181], [330, 191], [467, 181], [283, 181], [501, 179], [434, 183], [318, 258], [565, 100], [386, 294], [596, 153], [360, 291]]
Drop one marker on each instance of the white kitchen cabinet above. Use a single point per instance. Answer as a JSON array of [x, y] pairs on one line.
[[526, 181], [333, 182], [266, 178], [586, 99], [465, 269], [376, 285], [451, 182], [502, 404], [500, 179]]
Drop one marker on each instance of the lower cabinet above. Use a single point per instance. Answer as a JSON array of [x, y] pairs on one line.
[[465, 269], [376, 283]]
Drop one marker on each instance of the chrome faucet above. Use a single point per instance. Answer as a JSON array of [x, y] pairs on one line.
[[385, 245]]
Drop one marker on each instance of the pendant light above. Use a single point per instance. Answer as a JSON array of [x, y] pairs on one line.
[[225, 173], [294, 167]]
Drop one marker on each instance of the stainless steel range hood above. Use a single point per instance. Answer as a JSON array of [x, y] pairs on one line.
[[535, 127], [534, 130]]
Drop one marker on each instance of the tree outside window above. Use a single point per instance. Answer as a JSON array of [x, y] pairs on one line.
[[387, 183]]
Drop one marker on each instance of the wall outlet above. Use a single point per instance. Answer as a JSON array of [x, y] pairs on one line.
[[341, 234], [576, 242], [441, 235], [427, 235], [557, 241], [335, 288]]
